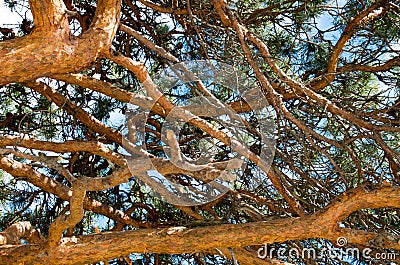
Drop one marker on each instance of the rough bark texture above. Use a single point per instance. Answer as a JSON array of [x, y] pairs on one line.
[[50, 48], [324, 224]]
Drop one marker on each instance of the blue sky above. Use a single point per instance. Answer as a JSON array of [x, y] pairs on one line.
[[7, 17]]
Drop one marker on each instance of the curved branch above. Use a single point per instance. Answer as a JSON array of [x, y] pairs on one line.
[[37, 54], [63, 221], [375, 10], [22, 171], [21, 230], [182, 161], [370, 68]]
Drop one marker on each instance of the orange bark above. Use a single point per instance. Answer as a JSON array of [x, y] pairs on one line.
[[51, 49], [323, 224]]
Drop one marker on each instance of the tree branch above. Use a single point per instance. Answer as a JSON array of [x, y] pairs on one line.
[[48, 14], [375, 10], [21, 230], [37, 54], [77, 112], [323, 224], [22, 171], [163, 9], [70, 146], [395, 61], [141, 72], [298, 87], [62, 222]]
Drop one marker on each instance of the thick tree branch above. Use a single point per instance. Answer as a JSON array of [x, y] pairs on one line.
[[48, 14], [52, 50], [134, 98], [21, 230], [323, 224], [63, 221]]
